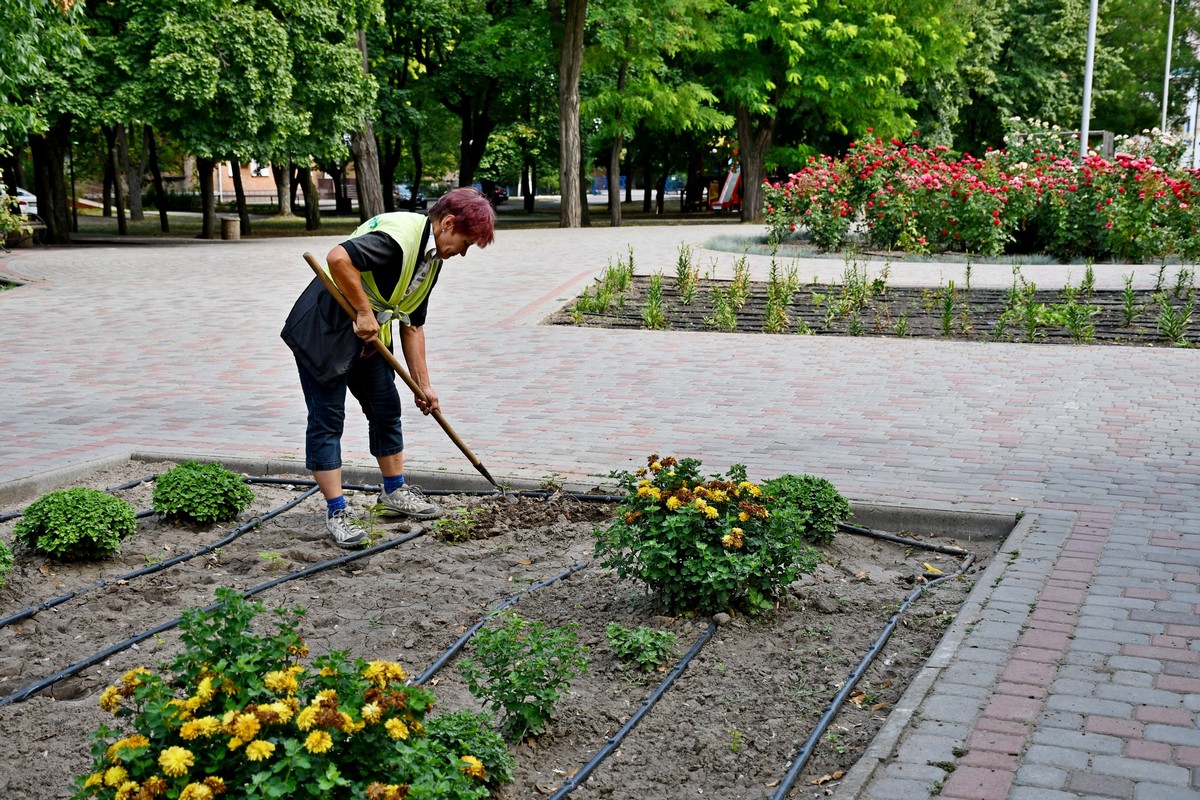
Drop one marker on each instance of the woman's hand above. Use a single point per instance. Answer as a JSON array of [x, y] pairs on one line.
[[430, 403], [366, 327]]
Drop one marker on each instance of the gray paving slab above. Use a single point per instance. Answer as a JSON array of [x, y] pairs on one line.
[[112, 350]]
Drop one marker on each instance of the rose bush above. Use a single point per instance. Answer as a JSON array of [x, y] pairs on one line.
[[1033, 196]]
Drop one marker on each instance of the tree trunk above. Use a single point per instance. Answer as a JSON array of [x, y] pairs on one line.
[[585, 210], [614, 182], [614, 155], [312, 203], [135, 170], [239, 193], [754, 137], [49, 153], [366, 173], [366, 157], [647, 171], [204, 169], [293, 184], [279, 173], [114, 135], [528, 185], [568, 17], [107, 191], [418, 168], [160, 192], [13, 166]]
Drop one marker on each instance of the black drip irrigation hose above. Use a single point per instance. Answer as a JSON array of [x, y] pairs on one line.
[[614, 741], [161, 565], [800, 760], [433, 669], [888, 537], [79, 666]]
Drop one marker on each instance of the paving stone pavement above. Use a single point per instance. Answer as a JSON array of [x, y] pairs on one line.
[[1077, 675]]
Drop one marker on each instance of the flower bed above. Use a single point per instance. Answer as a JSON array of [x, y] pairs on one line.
[[1033, 196], [728, 726]]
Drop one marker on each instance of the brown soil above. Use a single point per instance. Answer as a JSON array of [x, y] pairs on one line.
[[729, 726], [973, 315]]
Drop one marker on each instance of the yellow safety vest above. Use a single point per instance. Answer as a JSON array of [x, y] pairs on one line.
[[407, 230]]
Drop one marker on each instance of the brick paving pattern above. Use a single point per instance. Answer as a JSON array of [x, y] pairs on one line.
[[1076, 673]]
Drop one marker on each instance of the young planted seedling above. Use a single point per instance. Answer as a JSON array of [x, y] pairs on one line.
[[739, 288], [654, 315], [1173, 323], [522, 667], [641, 648], [458, 526], [1129, 304], [948, 300], [724, 314]]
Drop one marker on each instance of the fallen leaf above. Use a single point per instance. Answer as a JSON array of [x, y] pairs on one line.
[[932, 569], [821, 781], [880, 707], [862, 576]]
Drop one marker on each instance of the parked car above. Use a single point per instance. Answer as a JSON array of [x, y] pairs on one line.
[[404, 196], [497, 195], [26, 202]]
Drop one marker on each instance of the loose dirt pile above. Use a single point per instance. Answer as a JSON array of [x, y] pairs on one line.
[[729, 726]]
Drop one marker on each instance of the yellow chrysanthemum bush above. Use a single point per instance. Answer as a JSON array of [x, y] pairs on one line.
[[241, 715], [704, 545]]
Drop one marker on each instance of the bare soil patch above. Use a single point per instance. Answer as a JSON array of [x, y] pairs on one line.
[[728, 727], [846, 310]]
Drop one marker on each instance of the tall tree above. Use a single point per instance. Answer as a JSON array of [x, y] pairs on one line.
[[635, 43], [366, 154], [568, 18], [41, 44], [847, 62], [217, 78]]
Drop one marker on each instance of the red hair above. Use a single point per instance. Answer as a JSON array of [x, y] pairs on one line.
[[473, 214]]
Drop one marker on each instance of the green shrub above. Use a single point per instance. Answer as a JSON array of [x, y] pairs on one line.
[[6, 562], [237, 712], [201, 493], [702, 546], [77, 524], [468, 732], [522, 667], [642, 647], [810, 504]]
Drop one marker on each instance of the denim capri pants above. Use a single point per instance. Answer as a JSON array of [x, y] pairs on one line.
[[373, 382]]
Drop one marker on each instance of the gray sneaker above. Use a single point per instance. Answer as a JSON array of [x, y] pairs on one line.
[[408, 501], [344, 531]]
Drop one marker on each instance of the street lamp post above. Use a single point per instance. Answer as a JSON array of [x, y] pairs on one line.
[[1167, 73], [1084, 131]]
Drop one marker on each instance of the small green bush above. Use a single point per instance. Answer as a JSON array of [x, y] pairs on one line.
[[522, 667], [468, 732], [76, 524], [642, 647], [201, 493], [6, 562], [812, 505]]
